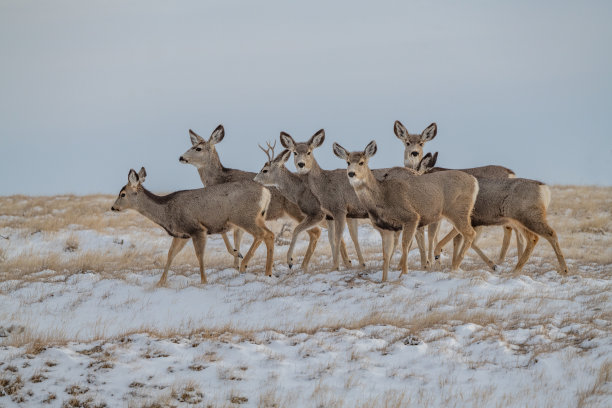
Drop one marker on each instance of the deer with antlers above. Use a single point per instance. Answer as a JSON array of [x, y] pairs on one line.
[[203, 155], [294, 188]]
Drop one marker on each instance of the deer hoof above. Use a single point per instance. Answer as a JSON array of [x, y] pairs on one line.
[[437, 257], [290, 265], [494, 267]]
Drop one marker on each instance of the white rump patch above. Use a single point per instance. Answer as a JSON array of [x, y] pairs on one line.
[[545, 195]]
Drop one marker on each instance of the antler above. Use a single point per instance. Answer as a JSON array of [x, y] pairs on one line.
[[269, 151]]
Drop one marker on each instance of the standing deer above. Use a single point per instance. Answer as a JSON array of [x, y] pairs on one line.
[[332, 189], [411, 201], [519, 202], [194, 214], [294, 188], [205, 158], [413, 154]]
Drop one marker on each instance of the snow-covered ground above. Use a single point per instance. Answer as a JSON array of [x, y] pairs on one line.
[[327, 338]]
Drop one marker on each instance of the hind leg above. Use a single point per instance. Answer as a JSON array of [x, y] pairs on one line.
[[544, 230], [443, 242], [463, 225], [199, 245], [482, 255], [505, 243], [419, 236], [520, 242], [387, 245], [238, 233], [532, 240]]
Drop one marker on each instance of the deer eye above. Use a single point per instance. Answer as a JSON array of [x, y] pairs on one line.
[[264, 171], [198, 149], [361, 163], [122, 194], [421, 144], [407, 143], [349, 163], [308, 153]]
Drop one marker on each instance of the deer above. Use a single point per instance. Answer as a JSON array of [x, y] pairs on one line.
[[195, 214], [274, 173], [519, 202], [410, 202], [413, 155], [337, 197], [204, 156]]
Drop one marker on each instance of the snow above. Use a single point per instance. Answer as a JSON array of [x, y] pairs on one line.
[[326, 338]]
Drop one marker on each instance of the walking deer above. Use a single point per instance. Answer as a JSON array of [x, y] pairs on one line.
[[194, 214], [203, 155], [519, 202], [332, 189], [413, 155], [294, 188], [412, 201]]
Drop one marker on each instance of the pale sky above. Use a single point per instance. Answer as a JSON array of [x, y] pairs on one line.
[[89, 89]]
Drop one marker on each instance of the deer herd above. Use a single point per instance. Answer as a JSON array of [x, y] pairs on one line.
[[399, 201]]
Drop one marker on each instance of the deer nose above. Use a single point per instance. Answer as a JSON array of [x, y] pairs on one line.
[[414, 154], [300, 165], [113, 208], [182, 159], [351, 174]]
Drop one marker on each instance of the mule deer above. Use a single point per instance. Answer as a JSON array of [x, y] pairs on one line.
[[205, 158], [413, 155], [194, 214], [519, 202], [332, 189], [294, 188], [412, 201]]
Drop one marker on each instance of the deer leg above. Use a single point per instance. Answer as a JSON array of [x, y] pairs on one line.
[[339, 222], [387, 244], [544, 230], [314, 233], [353, 227], [463, 225], [520, 242], [199, 244], [268, 238], [257, 238], [457, 241], [443, 242], [306, 223], [505, 243], [407, 236], [532, 240], [420, 239], [481, 254], [175, 247], [432, 235], [238, 233]]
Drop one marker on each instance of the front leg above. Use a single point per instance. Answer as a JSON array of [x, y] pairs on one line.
[[353, 227], [238, 233], [175, 247], [387, 250], [339, 222]]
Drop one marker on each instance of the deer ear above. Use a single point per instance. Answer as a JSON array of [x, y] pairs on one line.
[[317, 139], [142, 174], [133, 178], [217, 135], [429, 133], [340, 151], [282, 157], [370, 149], [195, 138], [287, 141], [400, 130], [427, 162]]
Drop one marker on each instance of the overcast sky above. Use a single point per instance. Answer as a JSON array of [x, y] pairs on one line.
[[89, 89]]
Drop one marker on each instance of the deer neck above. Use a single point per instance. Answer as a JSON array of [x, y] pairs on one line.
[[369, 192], [211, 172], [290, 185], [153, 207]]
